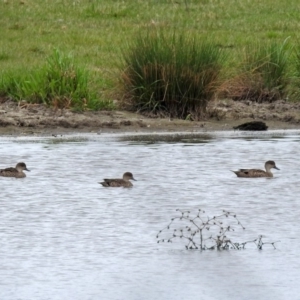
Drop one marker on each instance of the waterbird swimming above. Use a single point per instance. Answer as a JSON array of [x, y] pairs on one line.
[[16, 172], [119, 182], [254, 173]]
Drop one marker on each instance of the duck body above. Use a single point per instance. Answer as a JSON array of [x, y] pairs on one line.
[[119, 182], [256, 173], [16, 172], [252, 173], [116, 183]]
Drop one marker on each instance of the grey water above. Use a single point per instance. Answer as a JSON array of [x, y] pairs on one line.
[[64, 236]]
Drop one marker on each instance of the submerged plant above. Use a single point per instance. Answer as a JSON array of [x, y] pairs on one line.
[[208, 233]]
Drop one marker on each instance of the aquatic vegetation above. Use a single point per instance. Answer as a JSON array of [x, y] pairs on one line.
[[208, 233]]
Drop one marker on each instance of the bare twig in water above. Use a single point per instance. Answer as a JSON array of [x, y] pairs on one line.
[[207, 233]]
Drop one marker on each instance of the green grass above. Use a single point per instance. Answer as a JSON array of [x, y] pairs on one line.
[[59, 83], [95, 32]]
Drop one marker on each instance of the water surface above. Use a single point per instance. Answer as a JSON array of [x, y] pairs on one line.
[[64, 236]]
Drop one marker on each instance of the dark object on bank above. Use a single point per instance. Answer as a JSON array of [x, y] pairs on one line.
[[252, 126]]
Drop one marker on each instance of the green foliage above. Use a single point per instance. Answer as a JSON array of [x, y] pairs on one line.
[[21, 86], [172, 74], [100, 104], [65, 84], [60, 83]]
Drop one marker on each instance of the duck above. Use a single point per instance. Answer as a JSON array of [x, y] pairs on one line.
[[119, 182], [255, 173], [16, 172]]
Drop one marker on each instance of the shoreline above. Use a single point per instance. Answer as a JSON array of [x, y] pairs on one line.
[[37, 119]]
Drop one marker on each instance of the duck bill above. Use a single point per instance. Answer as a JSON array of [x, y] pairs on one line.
[[276, 168], [27, 170], [134, 179]]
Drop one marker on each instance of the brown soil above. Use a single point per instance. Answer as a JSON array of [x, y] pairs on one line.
[[24, 118]]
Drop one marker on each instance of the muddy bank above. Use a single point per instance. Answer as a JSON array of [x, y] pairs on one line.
[[24, 118]]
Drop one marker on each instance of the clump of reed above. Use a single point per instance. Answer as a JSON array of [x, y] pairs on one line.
[[60, 83], [171, 75], [263, 73], [199, 231]]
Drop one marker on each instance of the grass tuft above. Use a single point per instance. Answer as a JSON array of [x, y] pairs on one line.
[[60, 83], [65, 84], [264, 73], [170, 74]]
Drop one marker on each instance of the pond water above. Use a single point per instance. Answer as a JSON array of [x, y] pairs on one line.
[[64, 236]]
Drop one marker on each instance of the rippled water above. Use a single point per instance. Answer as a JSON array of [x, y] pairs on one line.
[[64, 236]]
